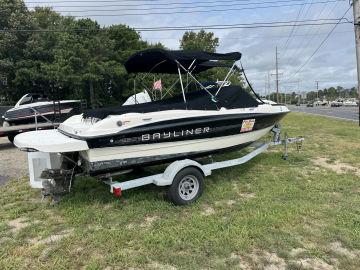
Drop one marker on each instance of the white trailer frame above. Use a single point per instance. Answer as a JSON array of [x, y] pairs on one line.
[[166, 178]]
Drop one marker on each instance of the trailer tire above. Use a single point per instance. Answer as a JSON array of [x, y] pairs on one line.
[[11, 138], [187, 186]]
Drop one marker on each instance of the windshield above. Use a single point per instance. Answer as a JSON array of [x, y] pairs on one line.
[[31, 98]]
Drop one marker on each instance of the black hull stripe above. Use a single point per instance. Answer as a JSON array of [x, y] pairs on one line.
[[176, 130], [20, 114]]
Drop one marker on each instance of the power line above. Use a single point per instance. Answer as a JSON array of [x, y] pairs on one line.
[[174, 8], [252, 37], [236, 27], [308, 8], [320, 45], [303, 48], [292, 29], [198, 11], [91, 1], [294, 32], [305, 13], [247, 24], [146, 4], [182, 28]]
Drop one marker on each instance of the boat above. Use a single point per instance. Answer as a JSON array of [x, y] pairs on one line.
[[39, 106], [191, 124], [351, 102]]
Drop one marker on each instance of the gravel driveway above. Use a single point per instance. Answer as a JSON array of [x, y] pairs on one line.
[[13, 162]]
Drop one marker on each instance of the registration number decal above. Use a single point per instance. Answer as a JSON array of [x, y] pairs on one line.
[[247, 125]]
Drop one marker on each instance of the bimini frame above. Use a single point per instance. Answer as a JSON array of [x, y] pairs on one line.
[[172, 62], [189, 72]]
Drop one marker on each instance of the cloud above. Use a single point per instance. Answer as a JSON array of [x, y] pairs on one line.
[[334, 64]]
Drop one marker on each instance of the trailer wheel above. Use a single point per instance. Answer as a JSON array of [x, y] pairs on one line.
[[187, 186], [11, 138]]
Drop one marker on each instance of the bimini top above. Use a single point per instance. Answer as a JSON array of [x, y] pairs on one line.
[[164, 61]]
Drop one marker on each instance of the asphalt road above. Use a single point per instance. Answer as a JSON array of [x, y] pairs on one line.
[[345, 113]]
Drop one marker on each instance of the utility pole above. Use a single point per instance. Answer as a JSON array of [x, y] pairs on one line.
[[317, 89], [356, 11], [277, 75], [268, 84], [265, 89]]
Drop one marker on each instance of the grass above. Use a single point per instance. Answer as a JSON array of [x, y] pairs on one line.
[[293, 214]]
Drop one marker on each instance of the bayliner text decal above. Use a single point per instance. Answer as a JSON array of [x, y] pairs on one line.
[[174, 134], [247, 125]]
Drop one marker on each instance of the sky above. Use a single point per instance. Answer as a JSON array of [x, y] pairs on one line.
[[334, 63]]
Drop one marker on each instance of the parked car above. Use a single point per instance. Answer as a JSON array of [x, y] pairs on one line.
[[336, 103], [310, 104], [320, 103]]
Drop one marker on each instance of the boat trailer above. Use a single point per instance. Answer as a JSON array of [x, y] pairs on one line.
[[184, 178]]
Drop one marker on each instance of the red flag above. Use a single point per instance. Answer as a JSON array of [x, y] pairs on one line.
[[157, 85]]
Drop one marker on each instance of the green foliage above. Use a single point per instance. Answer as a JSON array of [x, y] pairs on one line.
[[63, 57], [67, 58], [328, 94], [13, 15], [333, 93], [205, 41]]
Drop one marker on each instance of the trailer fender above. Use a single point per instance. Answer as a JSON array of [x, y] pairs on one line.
[[175, 167]]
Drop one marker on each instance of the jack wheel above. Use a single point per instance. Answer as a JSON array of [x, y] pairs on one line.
[[187, 187]]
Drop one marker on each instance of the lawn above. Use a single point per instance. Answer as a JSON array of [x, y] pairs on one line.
[[302, 213]]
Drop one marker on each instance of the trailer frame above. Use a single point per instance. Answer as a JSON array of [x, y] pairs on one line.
[[168, 177]]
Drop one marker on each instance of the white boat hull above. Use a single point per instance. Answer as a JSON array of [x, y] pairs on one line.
[[172, 148]]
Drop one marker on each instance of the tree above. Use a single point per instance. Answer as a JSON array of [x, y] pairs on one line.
[[32, 71], [14, 16], [82, 60], [205, 41]]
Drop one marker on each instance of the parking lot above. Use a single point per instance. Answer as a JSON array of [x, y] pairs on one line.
[[346, 113]]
